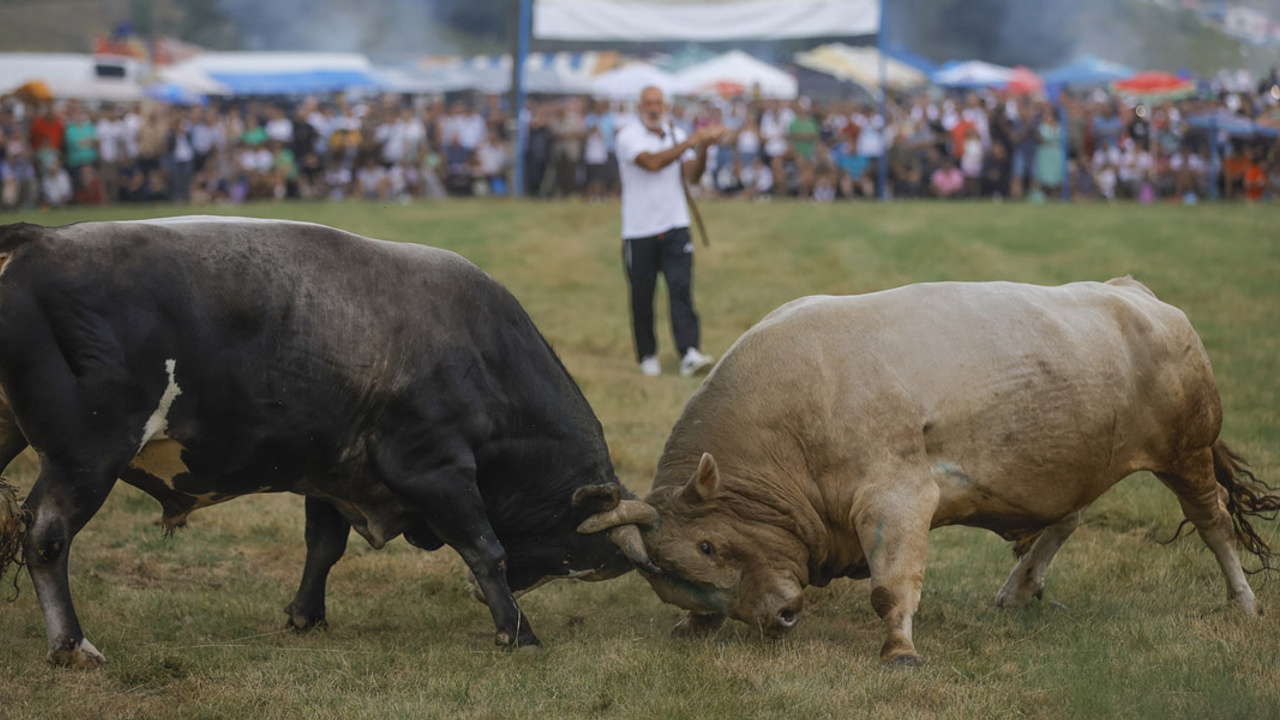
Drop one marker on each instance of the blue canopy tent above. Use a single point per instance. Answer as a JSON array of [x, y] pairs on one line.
[[297, 83], [173, 93], [1088, 70], [1236, 126]]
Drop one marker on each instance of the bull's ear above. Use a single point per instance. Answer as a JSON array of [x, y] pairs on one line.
[[705, 483]]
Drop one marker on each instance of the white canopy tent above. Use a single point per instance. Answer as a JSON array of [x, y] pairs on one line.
[[972, 73], [705, 21], [860, 65], [736, 71], [626, 82]]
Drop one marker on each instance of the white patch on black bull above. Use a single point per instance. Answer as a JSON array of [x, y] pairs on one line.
[[158, 423]]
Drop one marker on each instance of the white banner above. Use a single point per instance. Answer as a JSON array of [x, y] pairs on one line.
[[636, 20]]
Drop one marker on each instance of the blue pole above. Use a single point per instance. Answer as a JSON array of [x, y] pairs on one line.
[[1215, 158], [882, 45], [1066, 147], [517, 77]]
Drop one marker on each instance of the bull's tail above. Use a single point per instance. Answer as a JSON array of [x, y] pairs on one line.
[[1247, 497], [14, 520]]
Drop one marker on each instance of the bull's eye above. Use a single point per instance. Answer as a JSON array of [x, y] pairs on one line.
[[705, 548]]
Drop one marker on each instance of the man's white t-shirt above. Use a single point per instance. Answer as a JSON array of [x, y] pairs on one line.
[[652, 202]]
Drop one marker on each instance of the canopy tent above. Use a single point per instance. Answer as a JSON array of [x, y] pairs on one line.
[[1155, 86], [283, 73], [1088, 70], [652, 20], [296, 83], [1239, 126], [72, 76], [172, 93], [191, 80], [626, 82], [860, 65], [1024, 82], [736, 72], [562, 73], [972, 74]]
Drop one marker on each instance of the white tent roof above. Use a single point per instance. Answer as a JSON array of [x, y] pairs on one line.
[[71, 75], [738, 68], [861, 65], [626, 82], [276, 62], [972, 73], [703, 20]]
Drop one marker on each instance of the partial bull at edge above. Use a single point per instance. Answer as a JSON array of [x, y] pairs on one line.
[[14, 519]]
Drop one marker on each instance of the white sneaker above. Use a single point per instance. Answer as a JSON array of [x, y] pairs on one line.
[[649, 366], [694, 363]]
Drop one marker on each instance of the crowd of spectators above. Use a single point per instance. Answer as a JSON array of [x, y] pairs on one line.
[[981, 144]]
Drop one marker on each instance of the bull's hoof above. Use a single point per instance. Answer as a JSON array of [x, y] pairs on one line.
[[300, 624], [79, 656], [302, 621], [524, 640], [1018, 597], [905, 660], [1248, 604], [696, 625]]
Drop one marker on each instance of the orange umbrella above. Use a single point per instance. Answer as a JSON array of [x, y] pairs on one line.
[[34, 92]]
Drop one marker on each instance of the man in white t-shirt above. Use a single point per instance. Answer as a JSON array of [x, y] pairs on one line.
[[655, 226]]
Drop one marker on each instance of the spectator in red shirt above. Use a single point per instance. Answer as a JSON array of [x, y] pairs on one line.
[[47, 128]]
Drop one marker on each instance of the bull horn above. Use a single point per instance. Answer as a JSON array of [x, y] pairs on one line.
[[597, 498], [628, 512], [627, 538], [14, 519]]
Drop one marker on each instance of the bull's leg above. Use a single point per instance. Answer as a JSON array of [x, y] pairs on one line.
[[61, 502], [893, 528], [450, 503], [1026, 581], [327, 533], [1204, 502]]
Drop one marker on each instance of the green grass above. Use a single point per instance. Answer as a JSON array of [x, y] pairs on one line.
[[1129, 628]]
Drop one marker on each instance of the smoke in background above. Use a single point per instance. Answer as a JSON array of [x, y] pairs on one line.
[[1037, 33], [384, 29]]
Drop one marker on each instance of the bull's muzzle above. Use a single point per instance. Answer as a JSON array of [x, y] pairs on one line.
[[781, 617]]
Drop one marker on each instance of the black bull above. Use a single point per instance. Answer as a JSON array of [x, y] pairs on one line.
[[398, 387]]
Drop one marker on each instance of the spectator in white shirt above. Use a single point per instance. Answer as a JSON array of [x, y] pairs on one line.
[[655, 160]]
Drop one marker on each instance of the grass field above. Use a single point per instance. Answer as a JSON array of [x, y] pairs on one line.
[[1129, 627]]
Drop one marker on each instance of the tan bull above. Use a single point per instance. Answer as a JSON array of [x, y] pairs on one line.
[[839, 430]]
